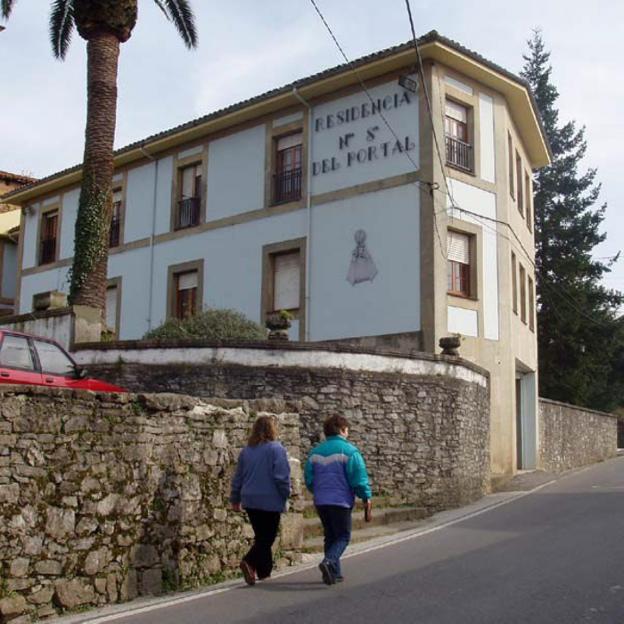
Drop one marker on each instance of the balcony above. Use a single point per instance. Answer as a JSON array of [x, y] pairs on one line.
[[187, 214], [459, 154], [115, 232], [47, 250], [287, 186]]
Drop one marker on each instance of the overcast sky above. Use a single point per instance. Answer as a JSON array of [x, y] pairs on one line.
[[247, 48]]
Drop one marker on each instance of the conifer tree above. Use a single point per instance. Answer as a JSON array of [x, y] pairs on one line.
[[580, 340]]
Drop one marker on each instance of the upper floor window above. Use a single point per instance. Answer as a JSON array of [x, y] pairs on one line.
[[514, 283], [527, 201], [458, 147], [523, 295], [114, 237], [459, 264], [48, 237], [531, 305], [188, 208], [519, 171], [510, 154], [288, 168]]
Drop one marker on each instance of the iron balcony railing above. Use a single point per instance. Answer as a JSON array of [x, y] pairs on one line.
[[458, 154], [47, 251], [188, 213], [115, 231], [287, 186]]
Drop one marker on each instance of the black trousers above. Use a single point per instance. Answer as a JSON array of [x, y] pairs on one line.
[[265, 526]]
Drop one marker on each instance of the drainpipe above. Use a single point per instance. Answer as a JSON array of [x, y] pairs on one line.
[[308, 271], [152, 237]]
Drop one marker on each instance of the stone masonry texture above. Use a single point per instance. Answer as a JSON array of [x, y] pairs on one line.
[[573, 436], [425, 438], [105, 497]]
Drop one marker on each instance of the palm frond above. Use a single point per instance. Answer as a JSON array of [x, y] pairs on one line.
[[61, 26], [5, 8], [181, 14], [159, 4]]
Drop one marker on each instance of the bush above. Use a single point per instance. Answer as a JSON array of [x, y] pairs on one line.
[[211, 324]]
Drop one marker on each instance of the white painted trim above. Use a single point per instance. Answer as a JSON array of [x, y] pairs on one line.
[[281, 358]]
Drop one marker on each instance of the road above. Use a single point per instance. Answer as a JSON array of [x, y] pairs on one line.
[[553, 556]]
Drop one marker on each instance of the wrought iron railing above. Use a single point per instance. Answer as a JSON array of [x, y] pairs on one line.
[[459, 154], [188, 213], [287, 186], [47, 251]]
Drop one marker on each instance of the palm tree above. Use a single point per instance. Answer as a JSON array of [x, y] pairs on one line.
[[104, 24]]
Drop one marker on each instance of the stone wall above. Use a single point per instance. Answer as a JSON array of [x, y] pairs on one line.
[[572, 436], [422, 423], [105, 497]]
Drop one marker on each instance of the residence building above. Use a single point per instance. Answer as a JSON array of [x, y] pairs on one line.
[[373, 213]]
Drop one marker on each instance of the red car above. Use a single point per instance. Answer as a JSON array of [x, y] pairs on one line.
[[26, 359]]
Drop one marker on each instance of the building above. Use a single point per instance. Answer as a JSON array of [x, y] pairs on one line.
[[333, 198], [9, 235]]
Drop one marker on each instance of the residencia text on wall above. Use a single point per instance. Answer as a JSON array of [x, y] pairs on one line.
[[379, 139]]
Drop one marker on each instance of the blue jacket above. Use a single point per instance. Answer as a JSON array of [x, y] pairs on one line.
[[335, 473], [262, 478]]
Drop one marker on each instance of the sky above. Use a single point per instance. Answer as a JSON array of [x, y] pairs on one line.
[[247, 47]]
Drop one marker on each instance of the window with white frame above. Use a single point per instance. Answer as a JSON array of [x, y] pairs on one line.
[[459, 263], [287, 281]]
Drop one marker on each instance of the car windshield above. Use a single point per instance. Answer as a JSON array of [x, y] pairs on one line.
[[15, 353], [54, 360]]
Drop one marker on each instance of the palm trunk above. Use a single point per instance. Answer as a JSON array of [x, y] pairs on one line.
[[89, 269]]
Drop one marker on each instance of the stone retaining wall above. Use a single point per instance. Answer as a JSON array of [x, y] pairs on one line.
[[572, 436], [422, 422], [105, 497]]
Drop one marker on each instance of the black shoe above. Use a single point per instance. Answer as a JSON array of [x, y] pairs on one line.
[[329, 577], [339, 579], [248, 572]]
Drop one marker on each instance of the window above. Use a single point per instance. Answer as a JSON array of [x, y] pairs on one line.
[[288, 168], [514, 283], [458, 253], [523, 299], [47, 242], [188, 208], [286, 281], [531, 306], [53, 360], [511, 165], [15, 353], [186, 294], [458, 149], [115, 228], [519, 178], [112, 307], [528, 202]]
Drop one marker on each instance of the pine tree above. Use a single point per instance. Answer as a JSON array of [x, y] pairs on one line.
[[580, 343]]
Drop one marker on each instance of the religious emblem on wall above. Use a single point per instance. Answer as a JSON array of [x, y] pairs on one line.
[[362, 267]]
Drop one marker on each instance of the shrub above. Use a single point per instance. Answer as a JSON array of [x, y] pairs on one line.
[[211, 324]]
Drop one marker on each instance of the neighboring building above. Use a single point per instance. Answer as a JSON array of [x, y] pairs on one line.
[[9, 236], [330, 201]]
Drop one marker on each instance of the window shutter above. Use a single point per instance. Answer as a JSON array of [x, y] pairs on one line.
[[186, 281], [456, 111], [458, 247], [188, 182], [117, 196], [292, 140], [286, 282]]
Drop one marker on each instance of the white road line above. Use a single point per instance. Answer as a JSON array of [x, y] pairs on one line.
[[170, 602]]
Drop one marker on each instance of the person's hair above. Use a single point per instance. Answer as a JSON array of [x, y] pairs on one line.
[[264, 430], [334, 425]]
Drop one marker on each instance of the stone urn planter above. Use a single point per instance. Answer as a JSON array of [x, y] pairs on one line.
[[450, 345], [278, 324]]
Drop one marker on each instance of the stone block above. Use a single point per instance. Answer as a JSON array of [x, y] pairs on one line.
[[12, 606], [73, 593], [42, 596], [107, 505], [48, 567], [60, 522], [9, 494], [291, 531], [19, 567], [151, 582], [144, 556]]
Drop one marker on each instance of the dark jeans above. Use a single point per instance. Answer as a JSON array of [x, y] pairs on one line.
[[265, 526], [337, 528]]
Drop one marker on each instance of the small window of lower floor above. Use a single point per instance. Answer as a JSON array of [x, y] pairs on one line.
[[185, 289], [461, 265]]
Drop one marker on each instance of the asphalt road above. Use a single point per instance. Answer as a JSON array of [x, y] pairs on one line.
[[554, 556]]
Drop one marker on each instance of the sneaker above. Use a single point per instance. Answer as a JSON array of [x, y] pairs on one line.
[[339, 579], [328, 574], [248, 572]]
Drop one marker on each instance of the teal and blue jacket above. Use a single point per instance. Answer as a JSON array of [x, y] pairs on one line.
[[335, 473]]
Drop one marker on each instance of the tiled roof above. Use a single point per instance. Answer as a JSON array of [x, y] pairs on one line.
[[430, 37], [16, 178]]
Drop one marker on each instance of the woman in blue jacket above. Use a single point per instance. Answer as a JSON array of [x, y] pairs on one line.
[[261, 486]]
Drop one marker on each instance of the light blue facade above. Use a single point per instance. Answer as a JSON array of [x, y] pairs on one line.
[[351, 135]]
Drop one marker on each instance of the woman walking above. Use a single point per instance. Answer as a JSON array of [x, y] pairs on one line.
[[261, 486]]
